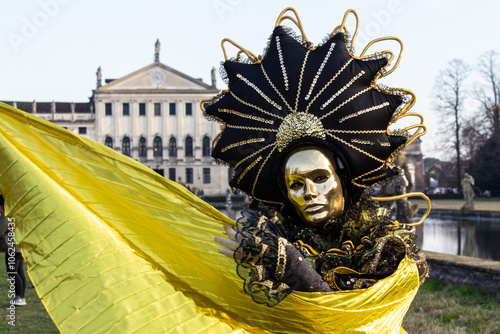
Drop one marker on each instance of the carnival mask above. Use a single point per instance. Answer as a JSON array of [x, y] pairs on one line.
[[313, 186]]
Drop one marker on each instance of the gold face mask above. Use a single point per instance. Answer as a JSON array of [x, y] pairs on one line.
[[313, 186]]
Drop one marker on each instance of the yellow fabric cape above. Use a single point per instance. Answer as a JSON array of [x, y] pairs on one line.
[[113, 247]]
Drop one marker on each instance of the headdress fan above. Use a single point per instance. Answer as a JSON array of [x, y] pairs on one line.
[[296, 93]]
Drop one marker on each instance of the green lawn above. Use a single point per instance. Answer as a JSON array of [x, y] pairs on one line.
[[448, 308], [438, 308]]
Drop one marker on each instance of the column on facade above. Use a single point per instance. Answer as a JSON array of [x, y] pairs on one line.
[[197, 130], [180, 128], [73, 115], [134, 141], [116, 117], [165, 136], [149, 135], [98, 117], [101, 113]]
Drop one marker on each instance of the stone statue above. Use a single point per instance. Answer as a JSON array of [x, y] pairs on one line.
[[228, 198], [214, 80], [402, 162], [468, 190], [157, 51], [400, 185], [99, 77]]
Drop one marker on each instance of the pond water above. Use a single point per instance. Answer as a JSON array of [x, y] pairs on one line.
[[480, 239]]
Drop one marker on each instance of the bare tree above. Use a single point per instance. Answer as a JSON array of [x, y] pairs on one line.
[[489, 94], [486, 160], [474, 135], [449, 96]]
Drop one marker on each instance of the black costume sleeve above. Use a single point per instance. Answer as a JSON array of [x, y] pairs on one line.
[[300, 275], [269, 265]]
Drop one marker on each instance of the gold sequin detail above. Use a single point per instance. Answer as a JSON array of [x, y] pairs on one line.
[[252, 165], [364, 111], [320, 69], [255, 118], [254, 106], [280, 204], [373, 178], [356, 148], [298, 125], [270, 284], [257, 89], [251, 128], [365, 174], [244, 142], [254, 154], [341, 90], [261, 221], [281, 261], [260, 169], [260, 272], [300, 78]]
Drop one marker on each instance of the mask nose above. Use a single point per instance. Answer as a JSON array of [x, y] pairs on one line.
[[310, 191]]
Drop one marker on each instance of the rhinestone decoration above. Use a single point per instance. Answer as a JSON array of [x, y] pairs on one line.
[[282, 63], [329, 83], [384, 143], [254, 106], [361, 141], [346, 101], [341, 90], [251, 84], [274, 87], [298, 125], [364, 111], [321, 67]]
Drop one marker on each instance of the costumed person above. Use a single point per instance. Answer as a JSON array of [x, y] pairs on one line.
[[14, 262], [113, 247], [306, 130]]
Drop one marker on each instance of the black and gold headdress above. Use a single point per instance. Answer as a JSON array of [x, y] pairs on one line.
[[297, 92]]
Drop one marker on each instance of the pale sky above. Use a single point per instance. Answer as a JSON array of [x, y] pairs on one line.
[[51, 49]]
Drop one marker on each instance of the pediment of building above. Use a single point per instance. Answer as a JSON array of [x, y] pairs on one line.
[[159, 77]]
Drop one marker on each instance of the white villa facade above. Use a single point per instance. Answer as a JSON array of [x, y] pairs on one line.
[[152, 115]]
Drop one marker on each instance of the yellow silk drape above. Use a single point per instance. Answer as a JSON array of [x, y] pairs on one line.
[[112, 247]]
